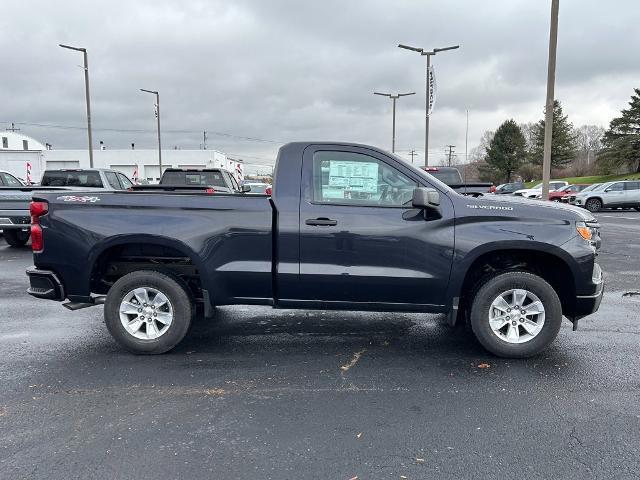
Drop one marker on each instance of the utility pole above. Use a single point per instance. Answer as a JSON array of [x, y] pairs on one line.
[[204, 140], [548, 114], [428, 54], [154, 92], [466, 149], [394, 98], [412, 153], [87, 96], [450, 147]]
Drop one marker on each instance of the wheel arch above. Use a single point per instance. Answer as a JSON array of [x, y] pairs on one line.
[[549, 262], [103, 251]]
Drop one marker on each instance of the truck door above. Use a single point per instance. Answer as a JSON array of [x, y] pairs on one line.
[[360, 238]]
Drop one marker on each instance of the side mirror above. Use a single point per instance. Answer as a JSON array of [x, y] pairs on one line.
[[245, 188], [426, 198]]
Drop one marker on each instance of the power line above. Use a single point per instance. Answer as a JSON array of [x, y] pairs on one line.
[[136, 130], [450, 147]]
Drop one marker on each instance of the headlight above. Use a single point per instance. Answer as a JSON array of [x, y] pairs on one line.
[[589, 231], [584, 231]]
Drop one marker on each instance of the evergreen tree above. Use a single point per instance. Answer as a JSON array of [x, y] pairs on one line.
[[563, 140], [622, 140], [507, 150]]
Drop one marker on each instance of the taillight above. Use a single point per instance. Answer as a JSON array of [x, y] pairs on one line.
[[37, 210], [211, 190], [268, 191]]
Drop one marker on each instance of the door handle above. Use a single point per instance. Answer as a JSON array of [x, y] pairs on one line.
[[324, 222]]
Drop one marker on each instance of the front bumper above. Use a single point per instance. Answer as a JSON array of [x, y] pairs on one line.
[[588, 304], [45, 284]]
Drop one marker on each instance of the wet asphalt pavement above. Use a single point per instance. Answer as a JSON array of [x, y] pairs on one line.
[[264, 394]]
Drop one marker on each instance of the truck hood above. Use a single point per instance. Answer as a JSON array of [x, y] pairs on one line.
[[538, 208]]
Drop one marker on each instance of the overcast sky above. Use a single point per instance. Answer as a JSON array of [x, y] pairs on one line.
[[305, 70]]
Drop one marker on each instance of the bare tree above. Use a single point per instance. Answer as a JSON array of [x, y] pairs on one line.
[[589, 139], [528, 131], [477, 153]]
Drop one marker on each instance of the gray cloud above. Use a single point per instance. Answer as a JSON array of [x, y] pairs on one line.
[[289, 70]]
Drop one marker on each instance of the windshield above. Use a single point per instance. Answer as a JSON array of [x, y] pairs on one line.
[[76, 178]]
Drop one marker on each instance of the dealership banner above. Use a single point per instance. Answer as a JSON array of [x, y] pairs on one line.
[[431, 89]]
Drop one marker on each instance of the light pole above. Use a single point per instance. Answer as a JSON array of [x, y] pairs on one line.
[[427, 54], [394, 98], [154, 92], [86, 92], [548, 116]]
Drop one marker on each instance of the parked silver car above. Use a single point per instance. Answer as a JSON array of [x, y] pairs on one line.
[[623, 194]]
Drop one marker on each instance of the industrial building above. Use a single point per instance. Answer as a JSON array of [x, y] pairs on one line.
[[27, 158]]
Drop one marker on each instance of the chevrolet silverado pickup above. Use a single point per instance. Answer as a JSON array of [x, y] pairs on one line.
[[14, 200], [453, 178], [347, 227]]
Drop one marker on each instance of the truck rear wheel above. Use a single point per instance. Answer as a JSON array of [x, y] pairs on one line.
[[516, 314], [148, 312], [16, 238]]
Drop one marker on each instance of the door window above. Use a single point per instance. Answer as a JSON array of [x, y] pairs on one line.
[[234, 182], [633, 185], [113, 180], [349, 178], [616, 187], [124, 181], [10, 180]]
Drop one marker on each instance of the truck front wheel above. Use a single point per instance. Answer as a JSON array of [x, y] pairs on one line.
[[16, 238], [516, 314], [148, 312]]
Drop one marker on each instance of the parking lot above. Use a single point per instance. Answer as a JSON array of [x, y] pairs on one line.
[[262, 393]]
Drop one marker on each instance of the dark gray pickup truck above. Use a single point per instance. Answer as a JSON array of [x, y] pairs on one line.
[[453, 178], [347, 227]]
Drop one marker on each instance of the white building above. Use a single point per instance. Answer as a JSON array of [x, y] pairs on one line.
[[17, 151], [22, 152]]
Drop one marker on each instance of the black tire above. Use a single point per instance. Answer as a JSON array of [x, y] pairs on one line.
[[16, 238], [593, 205], [179, 297], [555, 199], [490, 289]]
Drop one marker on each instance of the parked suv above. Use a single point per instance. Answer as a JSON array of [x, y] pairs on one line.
[[611, 195], [508, 188]]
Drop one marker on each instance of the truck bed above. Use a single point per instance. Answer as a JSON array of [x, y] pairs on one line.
[[85, 227]]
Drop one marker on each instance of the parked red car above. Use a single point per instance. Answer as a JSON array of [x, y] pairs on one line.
[[558, 195]]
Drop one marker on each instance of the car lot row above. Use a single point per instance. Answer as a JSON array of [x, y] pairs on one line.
[[593, 197]]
